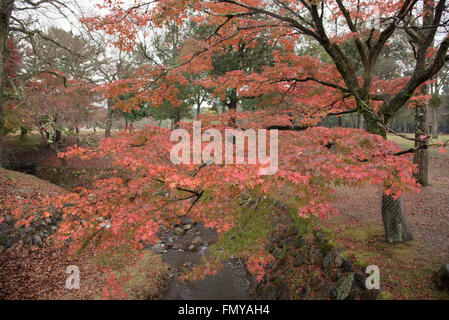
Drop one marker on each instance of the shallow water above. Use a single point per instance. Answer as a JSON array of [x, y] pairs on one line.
[[230, 283]]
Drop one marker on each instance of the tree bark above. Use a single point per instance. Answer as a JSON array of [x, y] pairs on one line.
[[435, 123], [5, 16], [198, 110], [395, 224], [232, 101], [421, 156], [58, 135], [107, 131], [177, 118], [372, 126]]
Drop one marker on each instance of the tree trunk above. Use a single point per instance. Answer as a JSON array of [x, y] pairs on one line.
[[373, 127], [435, 123], [232, 101], [5, 15], [177, 118], [395, 225], [58, 135], [43, 135], [198, 110], [421, 157], [107, 131]]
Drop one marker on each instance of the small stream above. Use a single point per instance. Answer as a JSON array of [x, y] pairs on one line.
[[183, 250]]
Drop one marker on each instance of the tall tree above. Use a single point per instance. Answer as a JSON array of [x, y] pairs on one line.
[[346, 76], [421, 156]]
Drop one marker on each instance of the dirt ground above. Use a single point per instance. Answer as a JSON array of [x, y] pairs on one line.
[[32, 273], [406, 269]]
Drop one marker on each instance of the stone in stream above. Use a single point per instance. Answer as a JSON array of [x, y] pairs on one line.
[[196, 241], [192, 231], [179, 231], [187, 227], [158, 248]]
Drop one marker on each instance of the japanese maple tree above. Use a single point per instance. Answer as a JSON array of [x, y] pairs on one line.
[[307, 88], [148, 190]]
